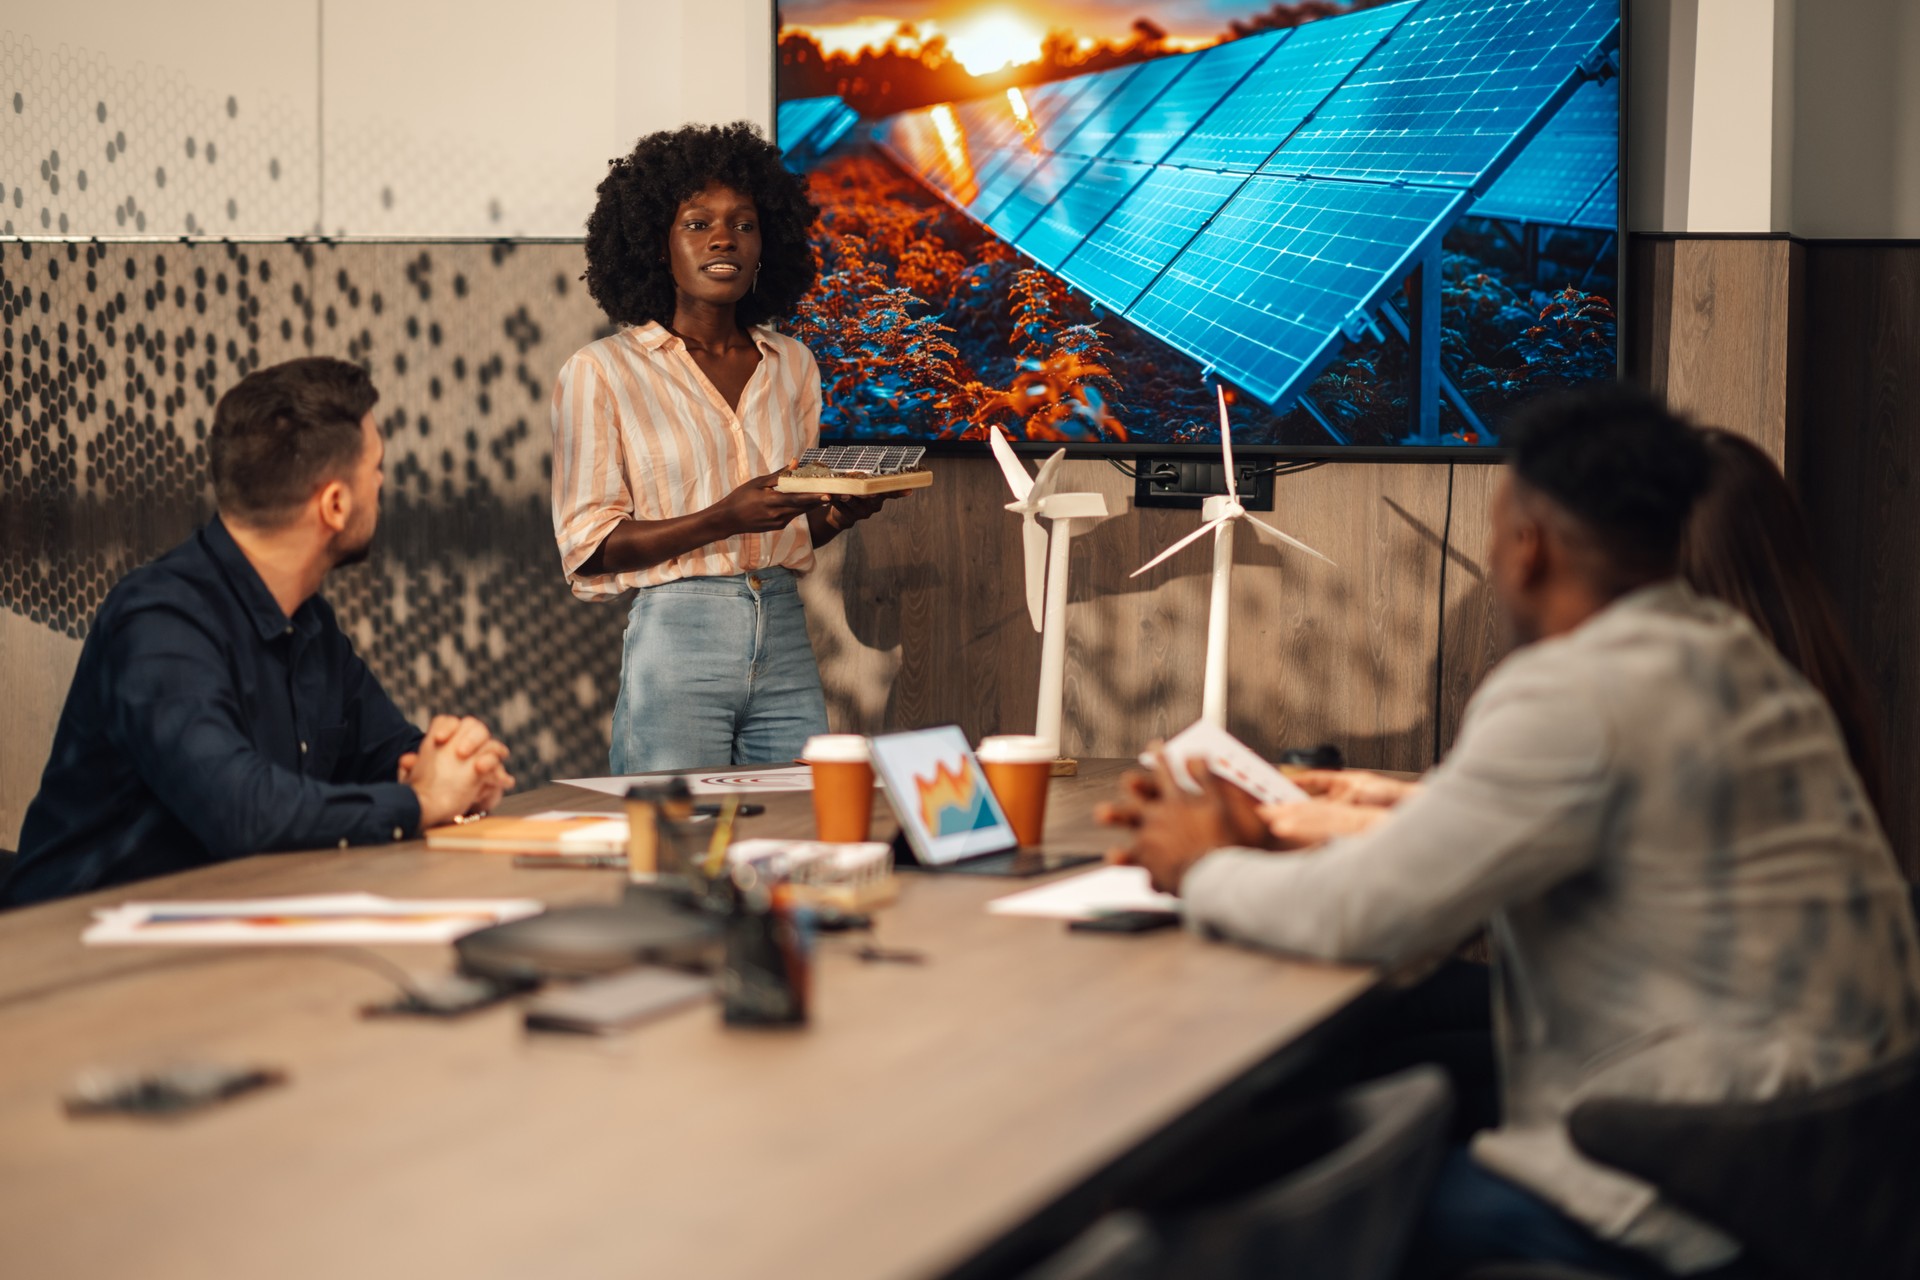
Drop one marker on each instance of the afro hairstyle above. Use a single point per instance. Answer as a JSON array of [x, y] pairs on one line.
[[627, 232], [1620, 462]]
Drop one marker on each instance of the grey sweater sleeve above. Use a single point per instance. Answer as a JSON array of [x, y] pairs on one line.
[[1519, 806]]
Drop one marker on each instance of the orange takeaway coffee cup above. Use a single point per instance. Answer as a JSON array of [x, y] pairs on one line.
[[1019, 768], [842, 786]]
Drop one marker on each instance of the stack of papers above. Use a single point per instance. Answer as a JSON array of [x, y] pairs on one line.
[[363, 918], [712, 782], [555, 831], [716, 782], [1082, 897]]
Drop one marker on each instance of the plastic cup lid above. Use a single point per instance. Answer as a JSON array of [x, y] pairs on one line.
[[1016, 748], [835, 748]]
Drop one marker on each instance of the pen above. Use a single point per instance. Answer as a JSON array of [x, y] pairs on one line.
[[570, 860], [722, 836]]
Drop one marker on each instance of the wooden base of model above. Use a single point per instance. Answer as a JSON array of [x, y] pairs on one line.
[[857, 486]]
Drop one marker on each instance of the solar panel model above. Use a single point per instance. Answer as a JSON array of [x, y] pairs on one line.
[[858, 470]]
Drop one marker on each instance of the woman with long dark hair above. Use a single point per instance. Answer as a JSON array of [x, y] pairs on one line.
[[1747, 544]]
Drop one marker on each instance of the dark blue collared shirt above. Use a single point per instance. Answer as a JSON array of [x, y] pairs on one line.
[[205, 724]]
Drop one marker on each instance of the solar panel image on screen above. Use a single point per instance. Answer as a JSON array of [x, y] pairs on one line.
[[1003, 175], [1448, 91], [988, 123], [1011, 129], [1142, 235], [1601, 212], [1071, 218], [1117, 113], [1262, 292], [1056, 118], [1259, 203], [930, 144], [1288, 84], [799, 116], [1185, 103], [1050, 175], [1556, 179], [812, 125]]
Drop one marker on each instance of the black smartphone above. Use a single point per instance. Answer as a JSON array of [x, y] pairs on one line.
[[168, 1091], [447, 996], [575, 861], [1126, 922], [705, 810], [605, 1005]]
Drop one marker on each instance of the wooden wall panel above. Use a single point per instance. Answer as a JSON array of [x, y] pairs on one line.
[[1731, 315], [920, 617], [1859, 477], [1475, 637]]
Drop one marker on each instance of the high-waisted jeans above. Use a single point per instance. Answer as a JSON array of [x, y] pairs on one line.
[[716, 671]]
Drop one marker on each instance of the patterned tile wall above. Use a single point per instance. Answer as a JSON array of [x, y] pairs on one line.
[[97, 144], [114, 355], [336, 117]]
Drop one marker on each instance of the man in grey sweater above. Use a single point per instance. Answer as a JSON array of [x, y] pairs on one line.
[[1654, 815]]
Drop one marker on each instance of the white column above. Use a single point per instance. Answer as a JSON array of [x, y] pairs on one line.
[[1213, 700], [1053, 637]]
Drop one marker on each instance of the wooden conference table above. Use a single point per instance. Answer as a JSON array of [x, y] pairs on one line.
[[934, 1119]]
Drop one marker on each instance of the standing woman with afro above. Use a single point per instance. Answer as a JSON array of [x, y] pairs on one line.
[[668, 437]]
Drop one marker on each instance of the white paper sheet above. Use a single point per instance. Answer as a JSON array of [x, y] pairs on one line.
[[713, 782], [1087, 895], [362, 918], [1229, 758]]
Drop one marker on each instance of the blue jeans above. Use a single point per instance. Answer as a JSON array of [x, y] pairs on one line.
[[1476, 1216], [716, 671]]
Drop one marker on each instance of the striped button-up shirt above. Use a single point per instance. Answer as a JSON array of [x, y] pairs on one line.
[[639, 433]]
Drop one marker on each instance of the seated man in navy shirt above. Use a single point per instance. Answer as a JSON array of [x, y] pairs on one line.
[[218, 710]]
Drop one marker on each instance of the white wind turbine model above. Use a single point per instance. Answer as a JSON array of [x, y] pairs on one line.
[[1046, 557], [1218, 515]]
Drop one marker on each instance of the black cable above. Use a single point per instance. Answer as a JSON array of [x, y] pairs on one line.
[[1440, 630], [359, 957]]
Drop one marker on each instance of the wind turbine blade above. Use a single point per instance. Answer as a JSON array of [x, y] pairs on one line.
[[1017, 478], [1035, 540], [1179, 546], [1049, 478], [1274, 535], [1226, 446]]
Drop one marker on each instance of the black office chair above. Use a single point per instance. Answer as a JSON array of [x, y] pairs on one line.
[[1814, 1185], [1346, 1215]]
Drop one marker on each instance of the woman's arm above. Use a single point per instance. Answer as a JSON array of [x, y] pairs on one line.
[[755, 507]]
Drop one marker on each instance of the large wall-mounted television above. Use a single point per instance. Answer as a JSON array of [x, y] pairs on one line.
[[1379, 226]]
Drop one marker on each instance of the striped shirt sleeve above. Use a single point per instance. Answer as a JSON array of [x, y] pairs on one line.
[[590, 495]]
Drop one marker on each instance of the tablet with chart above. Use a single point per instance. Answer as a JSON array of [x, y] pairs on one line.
[[946, 809]]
